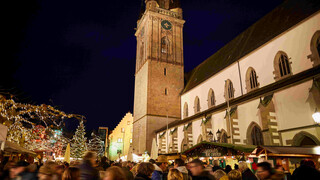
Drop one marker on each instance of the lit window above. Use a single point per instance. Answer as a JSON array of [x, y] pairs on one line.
[[130, 140], [122, 130], [120, 140], [128, 123]]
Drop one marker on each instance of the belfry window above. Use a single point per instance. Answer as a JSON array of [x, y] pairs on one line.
[[318, 46], [164, 45]]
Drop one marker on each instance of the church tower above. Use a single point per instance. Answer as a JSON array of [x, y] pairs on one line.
[[159, 70]]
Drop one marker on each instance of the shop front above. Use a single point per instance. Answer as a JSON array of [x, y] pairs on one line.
[[288, 157], [226, 154]]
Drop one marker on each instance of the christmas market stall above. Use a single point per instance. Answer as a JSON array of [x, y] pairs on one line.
[[227, 154], [288, 157], [13, 148]]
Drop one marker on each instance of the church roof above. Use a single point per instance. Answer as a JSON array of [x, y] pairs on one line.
[[285, 16]]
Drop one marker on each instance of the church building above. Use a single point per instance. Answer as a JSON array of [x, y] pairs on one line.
[[261, 88]]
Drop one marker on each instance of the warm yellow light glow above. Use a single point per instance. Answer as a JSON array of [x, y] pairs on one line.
[[316, 117]]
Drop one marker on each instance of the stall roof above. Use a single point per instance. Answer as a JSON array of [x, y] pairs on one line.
[[243, 148], [13, 147], [289, 150]]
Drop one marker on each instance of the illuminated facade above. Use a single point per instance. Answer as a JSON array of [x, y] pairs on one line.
[[120, 138], [261, 88]]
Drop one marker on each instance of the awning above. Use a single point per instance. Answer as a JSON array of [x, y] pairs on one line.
[[15, 148], [288, 151]]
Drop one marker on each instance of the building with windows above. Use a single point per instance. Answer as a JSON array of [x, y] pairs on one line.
[[104, 133], [120, 139], [261, 88]]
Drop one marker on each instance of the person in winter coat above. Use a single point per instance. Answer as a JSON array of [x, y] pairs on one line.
[[247, 174], [197, 169], [180, 166], [306, 170], [87, 170], [160, 168], [144, 171], [215, 166]]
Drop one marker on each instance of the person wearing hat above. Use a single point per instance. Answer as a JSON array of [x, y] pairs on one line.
[[19, 171], [160, 168]]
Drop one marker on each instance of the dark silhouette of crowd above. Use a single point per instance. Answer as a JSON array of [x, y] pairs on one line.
[[160, 169]]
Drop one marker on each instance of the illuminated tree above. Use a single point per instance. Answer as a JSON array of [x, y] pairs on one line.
[[23, 122], [96, 144], [78, 144]]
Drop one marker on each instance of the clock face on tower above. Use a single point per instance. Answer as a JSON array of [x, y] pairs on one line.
[[166, 25]]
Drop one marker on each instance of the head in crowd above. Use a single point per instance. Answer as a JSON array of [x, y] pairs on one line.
[[228, 169], [71, 173], [162, 162], [152, 161], [236, 166], [45, 173], [307, 162], [178, 163], [264, 170], [145, 169], [66, 165], [18, 168], [196, 167], [32, 168], [243, 166], [90, 157], [103, 159], [216, 162], [219, 174], [234, 175], [175, 174], [114, 173]]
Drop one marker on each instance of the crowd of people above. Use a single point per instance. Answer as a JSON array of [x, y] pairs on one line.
[[160, 169]]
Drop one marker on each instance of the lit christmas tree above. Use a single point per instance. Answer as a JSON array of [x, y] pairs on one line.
[[96, 144], [78, 145]]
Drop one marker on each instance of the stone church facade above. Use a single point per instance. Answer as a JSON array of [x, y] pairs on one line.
[[261, 88]]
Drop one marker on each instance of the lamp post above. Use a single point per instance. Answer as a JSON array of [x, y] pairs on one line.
[[316, 116]]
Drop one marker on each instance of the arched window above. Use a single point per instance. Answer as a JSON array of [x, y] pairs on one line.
[[315, 49], [256, 136], [211, 99], [251, 79], [282, 65], [196, 105], [229, 90], [165, 45], [185, 110]]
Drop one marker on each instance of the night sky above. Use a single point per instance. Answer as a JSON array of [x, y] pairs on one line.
[[80, 55]]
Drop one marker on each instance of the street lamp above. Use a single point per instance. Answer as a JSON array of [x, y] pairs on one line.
[[316, 116], [218, 133]]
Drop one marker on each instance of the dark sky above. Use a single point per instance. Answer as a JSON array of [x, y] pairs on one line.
[[79, 55]]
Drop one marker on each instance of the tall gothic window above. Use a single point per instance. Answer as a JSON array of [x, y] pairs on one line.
[[211, 99], [282, 65], [251, 79], [229, 90], [164, 45], [196, 105], [318, 46], [315, 49], [256, 136], [185, 110]]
